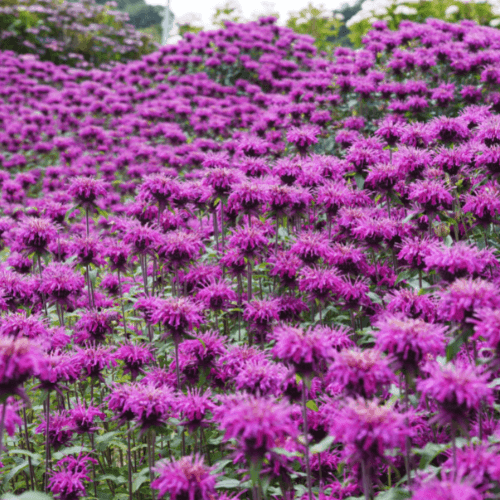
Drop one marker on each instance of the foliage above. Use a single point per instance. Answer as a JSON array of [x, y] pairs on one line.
[[318, 23], [78, 34]]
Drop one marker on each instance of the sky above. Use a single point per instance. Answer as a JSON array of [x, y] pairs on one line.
[[203, 10]]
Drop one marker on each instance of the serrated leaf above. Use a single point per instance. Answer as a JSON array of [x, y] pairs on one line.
[[13, 472], [453, 348], [322, 446], [394, 494], [360, 181], [73, 450], [286, 453], [429, 453], [34, 456], [312, 405], [228, 484]]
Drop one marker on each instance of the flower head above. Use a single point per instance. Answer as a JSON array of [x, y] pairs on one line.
[[86, 190], [177, 315], [186, 479]]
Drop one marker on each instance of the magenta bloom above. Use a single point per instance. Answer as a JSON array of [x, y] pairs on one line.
[[410, 341], [256, 423], [180, 246], [217, 296], [61, 429], [321, 284], [20, 359], [59, 283], [93, 326], [193, 407], [83, 418], [150, 405], [160, 187], [458, 388], [248, 240], [86, 190], [67, 483], [360, 372], [134, 357], [459, 260], [303, 137], [446, 489], [432, 194], [36, 234], [310, 247], [309, 352], [260, 377], [367, 428], [185, 479], [261, 313], [177, 315], [464, 297]]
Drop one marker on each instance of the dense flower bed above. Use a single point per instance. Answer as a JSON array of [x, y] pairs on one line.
[[234, 268]]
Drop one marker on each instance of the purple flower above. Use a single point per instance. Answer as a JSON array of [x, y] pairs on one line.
[[194, 407], [60, 429], [83, 418], [367, 428], [360, 373], [410, 341], [179, 247], [86, 190], [256, 423], [459, 260], [310, 247], [303, 137], [464, 297], [458, 388], [36, 234], [93, 326], [186, 479], [177, 315], [217, 296], [309, 352], [446, 489], [260, 377], [59, 283], [20, 359], [134, 357], [249, 240], [67, 483]]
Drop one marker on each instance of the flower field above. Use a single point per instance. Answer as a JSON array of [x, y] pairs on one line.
[[236, 269]]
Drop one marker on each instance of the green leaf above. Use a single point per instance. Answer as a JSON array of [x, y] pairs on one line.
[[111, 477], [429, 453], [394, 494], [13, 472], [73, 450], [140, 478], [29, 495], [312, 405], [228, 484], [453, 348], [34, 456], [323, 445], [286, 453], [360, 181]]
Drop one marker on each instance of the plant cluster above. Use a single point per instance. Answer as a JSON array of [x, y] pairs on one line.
[[235, 269], [484, 12], [78, 34]]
